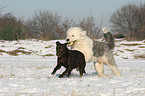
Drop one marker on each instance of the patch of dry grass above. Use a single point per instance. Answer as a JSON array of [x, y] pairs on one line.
[[21, 48], [16, 52], [49, 46], [131, 50], [141, 46], [47, 55], [141, 56], [120, 51], [2, 51], [125, 57], [17, 43], [133, 44]]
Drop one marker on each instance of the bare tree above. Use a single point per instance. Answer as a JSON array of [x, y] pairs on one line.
[[128, 19], [2, 7], [89, 25], [66, 24], [139, 30], [46, 25], [10, 27]]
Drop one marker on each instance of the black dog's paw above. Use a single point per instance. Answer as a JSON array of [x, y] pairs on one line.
[[52, 73], [60, 76]]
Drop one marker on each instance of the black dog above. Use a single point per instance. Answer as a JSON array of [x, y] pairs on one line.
[[69, 59]]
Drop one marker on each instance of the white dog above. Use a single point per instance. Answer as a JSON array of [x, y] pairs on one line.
[[94, 51]]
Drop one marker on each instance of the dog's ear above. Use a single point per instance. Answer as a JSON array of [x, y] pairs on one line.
[[83, 33], [57, 43]]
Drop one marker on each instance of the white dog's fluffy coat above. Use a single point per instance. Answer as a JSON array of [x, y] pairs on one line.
[[94, 51], [83, 42]]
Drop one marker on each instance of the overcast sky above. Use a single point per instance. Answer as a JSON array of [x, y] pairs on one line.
[[72, 9]]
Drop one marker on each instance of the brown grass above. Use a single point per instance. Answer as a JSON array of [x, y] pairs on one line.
[[134, 44], [49, 46], [15, 52], [129, 50], [125, 57], [120, 51], [141, 56], [47, 55], [2, 51], [21, 48], [141, 46]]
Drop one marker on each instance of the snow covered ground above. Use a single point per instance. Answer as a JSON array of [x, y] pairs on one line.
[[26, 66]]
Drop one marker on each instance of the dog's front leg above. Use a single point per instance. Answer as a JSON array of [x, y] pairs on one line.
[[56, 68], [66, 71]]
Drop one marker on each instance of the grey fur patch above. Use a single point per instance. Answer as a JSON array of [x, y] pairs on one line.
[[99, 48], [102, 50]]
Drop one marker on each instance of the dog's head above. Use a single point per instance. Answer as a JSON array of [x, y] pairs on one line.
[[74, 34], [61, 49]]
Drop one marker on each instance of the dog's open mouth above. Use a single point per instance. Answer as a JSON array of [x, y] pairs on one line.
[[72, 44]]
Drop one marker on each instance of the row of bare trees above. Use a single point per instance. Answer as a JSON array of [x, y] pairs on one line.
[[41, 24], [46, 25], [130, 21]]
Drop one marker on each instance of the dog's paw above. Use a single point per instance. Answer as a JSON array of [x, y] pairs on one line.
[[102, 75], [60, 76], [52, 73], [80, 76]]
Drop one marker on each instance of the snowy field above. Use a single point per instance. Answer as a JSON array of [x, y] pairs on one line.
[[26, 66]]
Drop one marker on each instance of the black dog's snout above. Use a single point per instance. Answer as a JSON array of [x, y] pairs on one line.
[[67, 39]]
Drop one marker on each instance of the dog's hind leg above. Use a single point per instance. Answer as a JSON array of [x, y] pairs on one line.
[[112, 65], [115, 70], [99, 67], [66, 71], [69, 73], [81, 70]]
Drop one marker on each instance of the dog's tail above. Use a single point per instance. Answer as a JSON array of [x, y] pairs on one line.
[[108, 38]]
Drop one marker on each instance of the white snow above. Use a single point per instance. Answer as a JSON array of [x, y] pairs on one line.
[[30, 75]]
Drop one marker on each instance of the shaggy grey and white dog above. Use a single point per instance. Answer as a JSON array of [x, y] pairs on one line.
[[94, 51]]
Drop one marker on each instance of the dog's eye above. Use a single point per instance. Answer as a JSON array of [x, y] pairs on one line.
[[72, 35]]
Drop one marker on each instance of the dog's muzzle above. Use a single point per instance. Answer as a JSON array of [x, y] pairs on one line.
[[71, 43]]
